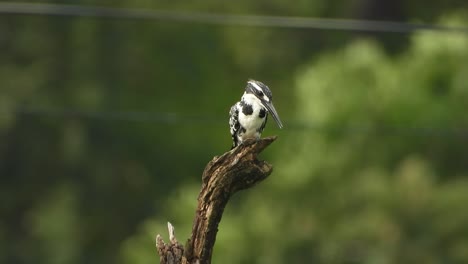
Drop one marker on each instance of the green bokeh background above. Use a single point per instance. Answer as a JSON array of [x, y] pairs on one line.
[[106, 125]]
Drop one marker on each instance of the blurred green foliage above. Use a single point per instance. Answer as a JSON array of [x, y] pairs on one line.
[[370, 168]]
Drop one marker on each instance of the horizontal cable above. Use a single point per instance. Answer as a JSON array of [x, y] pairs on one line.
[[222, 19], [131, 116], [168, 118]]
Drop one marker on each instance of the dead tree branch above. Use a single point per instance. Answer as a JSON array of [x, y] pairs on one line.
[[223, 176]]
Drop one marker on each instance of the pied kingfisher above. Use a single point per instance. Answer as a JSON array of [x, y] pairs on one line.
[[249, 116]]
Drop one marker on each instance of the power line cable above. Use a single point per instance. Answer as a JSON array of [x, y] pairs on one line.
[[222, 19], [168, 118], [129, 116]]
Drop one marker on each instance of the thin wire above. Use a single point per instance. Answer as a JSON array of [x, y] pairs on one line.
[[222, 19], [129, 116], [168, 118]]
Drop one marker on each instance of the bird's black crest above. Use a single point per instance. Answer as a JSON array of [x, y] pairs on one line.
[[263, 86]]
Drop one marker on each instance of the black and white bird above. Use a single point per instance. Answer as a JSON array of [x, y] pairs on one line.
[[248, 117]]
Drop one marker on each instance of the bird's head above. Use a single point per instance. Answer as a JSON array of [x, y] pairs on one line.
[[263, 93]]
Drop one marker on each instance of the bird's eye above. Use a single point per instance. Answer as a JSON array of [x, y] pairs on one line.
[[259, 93]]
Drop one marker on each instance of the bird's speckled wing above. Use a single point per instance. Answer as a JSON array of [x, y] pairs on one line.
[[234, 123]]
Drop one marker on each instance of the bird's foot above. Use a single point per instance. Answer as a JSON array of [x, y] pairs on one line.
[[250, 141]]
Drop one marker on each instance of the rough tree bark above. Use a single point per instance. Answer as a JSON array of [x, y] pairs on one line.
[[223, 176]]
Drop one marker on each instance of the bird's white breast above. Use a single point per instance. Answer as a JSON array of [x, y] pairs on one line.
[[251, 122]]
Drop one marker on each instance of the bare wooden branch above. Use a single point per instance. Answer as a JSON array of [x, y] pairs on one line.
[[171, 253], [223, 176]]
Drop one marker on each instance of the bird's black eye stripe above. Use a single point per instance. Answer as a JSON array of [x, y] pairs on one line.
[[260, 93]]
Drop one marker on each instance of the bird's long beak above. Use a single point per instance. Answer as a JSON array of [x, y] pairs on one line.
[[272, 110]]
